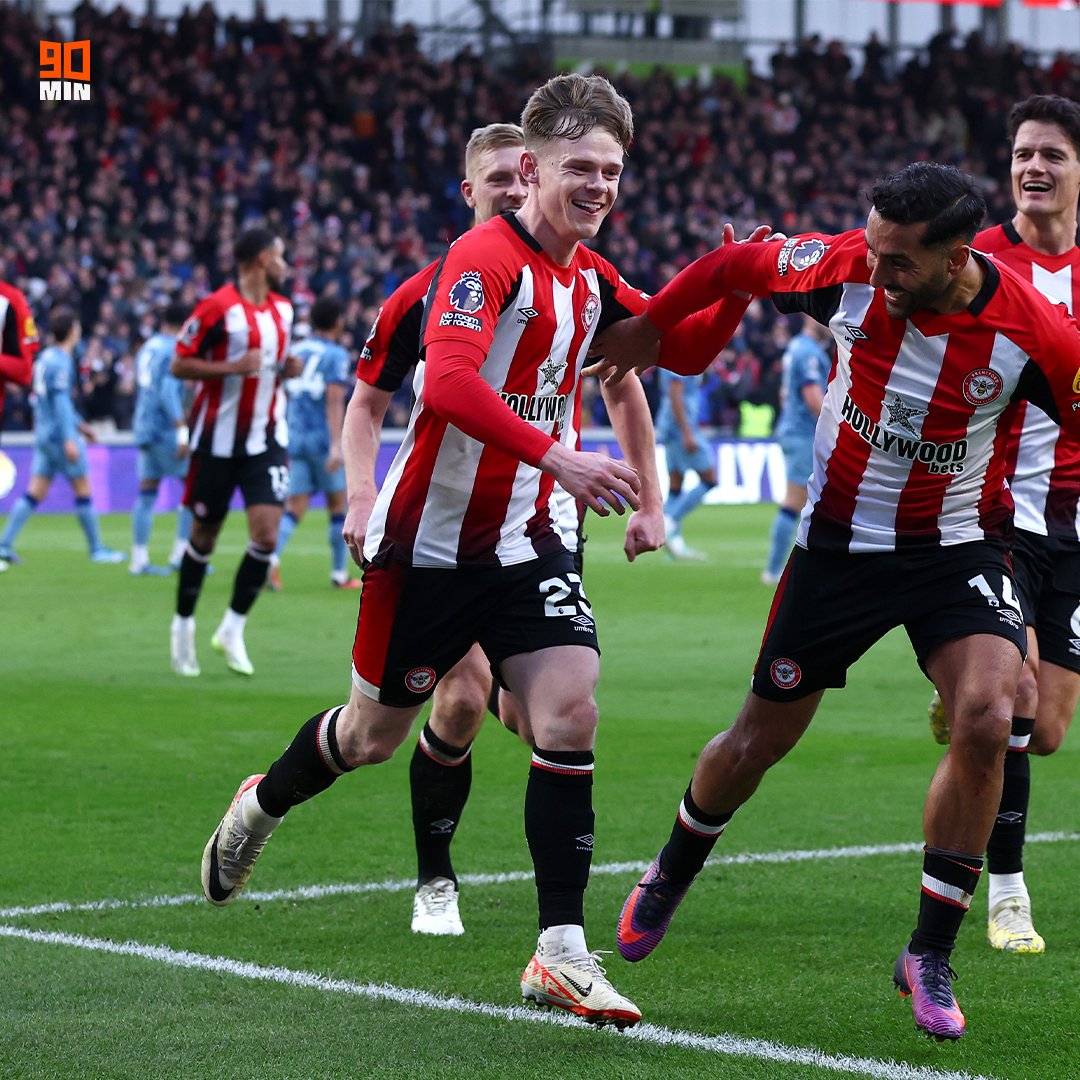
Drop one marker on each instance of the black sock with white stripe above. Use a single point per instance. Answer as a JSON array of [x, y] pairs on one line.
[[440, 776], [250, 577], [948, 882], [559, 829], [190, 579], [692, 839], [310, 764], [1005, 851]]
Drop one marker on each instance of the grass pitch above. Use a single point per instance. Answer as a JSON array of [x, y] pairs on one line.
[[114, 772]]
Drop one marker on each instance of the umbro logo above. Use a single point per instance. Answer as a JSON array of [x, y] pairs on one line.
[[584, 991], [525, 314], [854, 333], [442, 827], [583, 621], [1011, 817], [585, 843]]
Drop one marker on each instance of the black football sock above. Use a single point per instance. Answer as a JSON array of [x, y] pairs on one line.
[[250, 578], [692, 839], [948, 882], [440, 776], [559, 829], [310, 764], [1005, 851], [190, 579]]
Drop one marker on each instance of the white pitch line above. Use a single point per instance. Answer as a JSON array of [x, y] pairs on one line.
[[354, 888], [726, 1045]]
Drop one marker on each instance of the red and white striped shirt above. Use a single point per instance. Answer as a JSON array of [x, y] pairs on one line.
[[1044, 461], [392, 351], [458, 495], [239, 415], [910, 448]]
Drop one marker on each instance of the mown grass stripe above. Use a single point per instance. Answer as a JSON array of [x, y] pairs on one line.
[[353, 888], [724, 1045]]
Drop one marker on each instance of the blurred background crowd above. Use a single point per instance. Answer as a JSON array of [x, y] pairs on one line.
[[352, 150]]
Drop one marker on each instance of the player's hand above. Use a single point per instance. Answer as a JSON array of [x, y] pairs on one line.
[[87, 432], [690, 442], [355, 528], [293, 367], [644, 532], [602, 483], [71, 450], [334, 460], [249, 363], [625, 346], [182, 451], [762, 232]]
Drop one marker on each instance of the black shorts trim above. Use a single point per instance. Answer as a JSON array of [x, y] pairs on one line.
[[830, 608], [416, 623], [263, 480]]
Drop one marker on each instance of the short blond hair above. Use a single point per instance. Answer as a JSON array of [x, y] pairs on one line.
[[491, 137], [570, 106]]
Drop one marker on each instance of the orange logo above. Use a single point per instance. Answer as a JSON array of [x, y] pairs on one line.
[[65, 70]]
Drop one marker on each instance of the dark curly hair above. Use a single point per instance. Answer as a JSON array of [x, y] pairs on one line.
[[948, 200]]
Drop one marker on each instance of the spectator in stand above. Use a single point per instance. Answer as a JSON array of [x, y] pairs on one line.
[[94, 211]]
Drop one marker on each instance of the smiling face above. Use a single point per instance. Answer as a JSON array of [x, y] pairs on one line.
[[1045, 170], [912, 277], [494, 182], [573, 186]]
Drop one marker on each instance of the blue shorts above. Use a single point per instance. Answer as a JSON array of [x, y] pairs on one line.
[[798, 457], [680, 460], [308, 475], [158, 460], [49, 460]]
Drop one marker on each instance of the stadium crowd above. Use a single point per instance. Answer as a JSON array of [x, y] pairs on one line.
[[350, 150]]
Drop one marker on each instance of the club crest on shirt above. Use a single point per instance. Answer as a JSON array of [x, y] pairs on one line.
[[785, 673], [589, 310], [982, 386], [467, 293], [420, 679], [1076, 383], [800, 254]]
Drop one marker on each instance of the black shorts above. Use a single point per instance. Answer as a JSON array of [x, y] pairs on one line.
[[415, 623], [830, 608], [262, 478], [1048, 585]]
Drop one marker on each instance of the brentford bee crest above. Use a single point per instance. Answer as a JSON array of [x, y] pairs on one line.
[[420, 679], [589, 310], [785, 673], [982, 386]]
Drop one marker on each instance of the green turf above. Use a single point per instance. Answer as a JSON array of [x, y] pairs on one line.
[[114, 772]]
